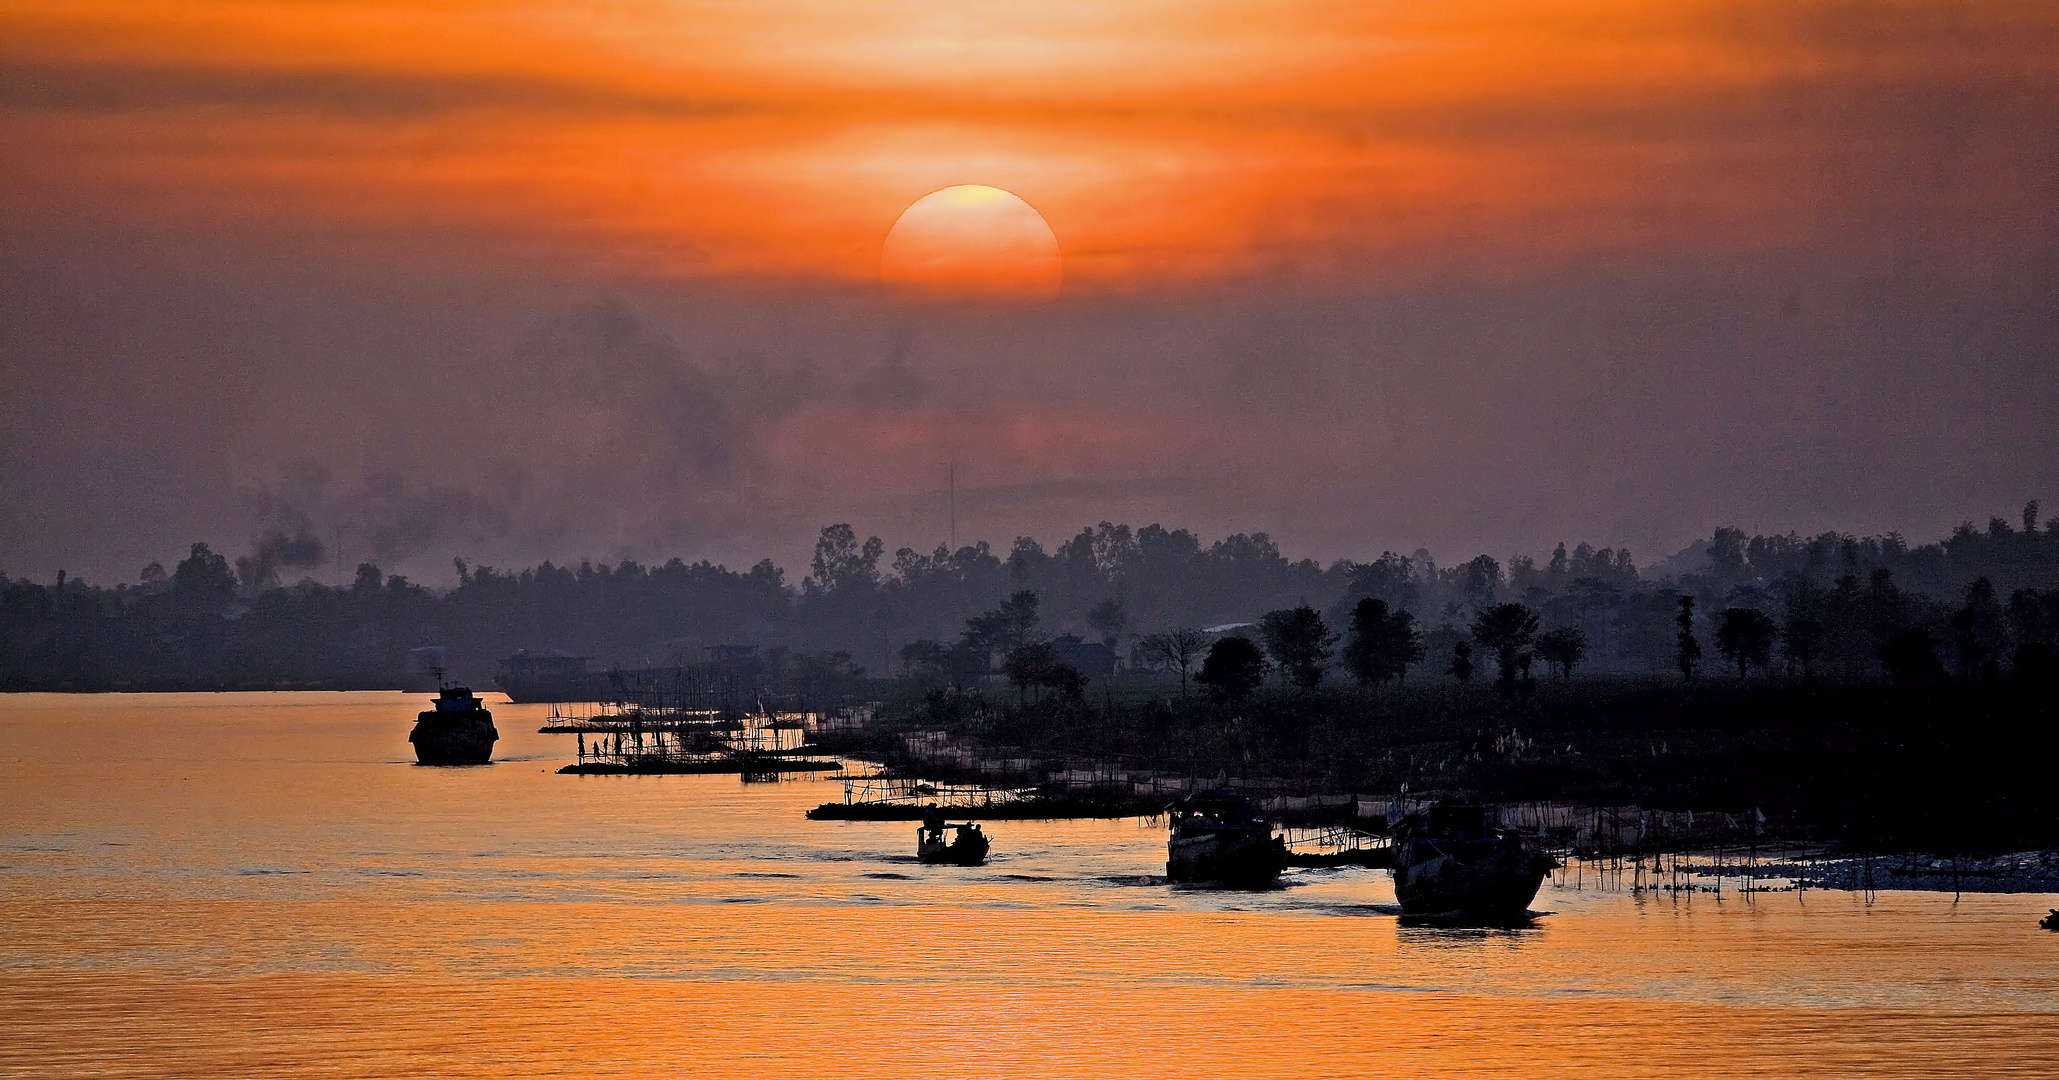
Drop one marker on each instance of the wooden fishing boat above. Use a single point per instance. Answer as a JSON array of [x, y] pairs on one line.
[[966, 847], [1450, 863], [1215, 837]]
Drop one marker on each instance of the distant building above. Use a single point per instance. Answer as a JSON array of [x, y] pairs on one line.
[[1089, 658], [1229, 629], [546, 663], [548, 675]]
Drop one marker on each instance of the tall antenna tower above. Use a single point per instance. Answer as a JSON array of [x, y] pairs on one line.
[[951, 500]]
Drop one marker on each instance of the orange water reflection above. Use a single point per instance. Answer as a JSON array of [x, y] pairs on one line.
[[215, 884]]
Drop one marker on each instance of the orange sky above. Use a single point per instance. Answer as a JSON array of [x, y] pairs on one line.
[[1469, 274], [1165, 142]]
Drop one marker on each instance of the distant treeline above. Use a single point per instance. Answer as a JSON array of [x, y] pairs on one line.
[[1836, 606]]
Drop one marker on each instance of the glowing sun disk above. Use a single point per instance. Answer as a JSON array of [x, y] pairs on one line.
[[972, 239]]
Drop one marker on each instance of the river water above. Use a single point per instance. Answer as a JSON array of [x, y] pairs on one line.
[[264, 884]]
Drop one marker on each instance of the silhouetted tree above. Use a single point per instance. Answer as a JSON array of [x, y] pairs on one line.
[[204, 578], [841, 563], [1909, 655], [1688, 654], [1005, 627], [1299, 643], [1177, 650], [1745, 637], [1883, 607], [2034, 619], [1461, 661], [923, 660], [256, 573], [1389, 578], [1801, 628], [1482, 579], [1018, 615], [1068, 682], [1108, 618], [1799, 641], [1234, 668], [1507, 629], [1383, 643], [967, 663], [1029, 665], [1404, 643], [167, 632], [1726, 552], [1977, 632], [1563, 647]]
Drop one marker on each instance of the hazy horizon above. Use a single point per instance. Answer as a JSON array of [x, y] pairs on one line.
[[497, 284]]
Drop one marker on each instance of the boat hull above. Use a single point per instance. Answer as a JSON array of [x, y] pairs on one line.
[[967, 850], [454, 739], [1496, 883], [1244, 859]]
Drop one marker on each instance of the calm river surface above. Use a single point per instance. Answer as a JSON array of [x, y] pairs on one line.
[[264, 884]]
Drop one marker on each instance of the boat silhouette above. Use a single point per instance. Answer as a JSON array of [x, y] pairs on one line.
[[457, 731], [1215, 837], [1450, 862], [967, 846]]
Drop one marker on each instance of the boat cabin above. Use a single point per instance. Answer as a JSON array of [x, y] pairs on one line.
[[457, 699], [1458, 821]]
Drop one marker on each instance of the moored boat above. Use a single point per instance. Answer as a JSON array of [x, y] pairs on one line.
[[457, 731], [1451, 863], [1216, 837]]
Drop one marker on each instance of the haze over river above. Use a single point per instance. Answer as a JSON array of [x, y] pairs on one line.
[[265, 884]]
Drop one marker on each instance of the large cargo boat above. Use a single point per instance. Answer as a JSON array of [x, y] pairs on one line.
[[458, 731]]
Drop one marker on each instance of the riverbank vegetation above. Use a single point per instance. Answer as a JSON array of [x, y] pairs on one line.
[[1855, 689], [1944, 766], [213, 621]]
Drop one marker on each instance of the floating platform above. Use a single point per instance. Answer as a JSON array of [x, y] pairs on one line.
[[631, 723], [627, 727], [658, 767], [1010, 810], [1380, 857]]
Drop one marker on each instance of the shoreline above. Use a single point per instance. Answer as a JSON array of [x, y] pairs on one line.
[[1715, 849], [2021, 873], [1597, 766]]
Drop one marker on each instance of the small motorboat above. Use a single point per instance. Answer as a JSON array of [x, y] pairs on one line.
[[1450, 863], [2050, 922], [967, 846], [1216, 837]]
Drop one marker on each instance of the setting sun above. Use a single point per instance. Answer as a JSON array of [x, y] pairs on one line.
[[972, 239], [1059, 538]]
